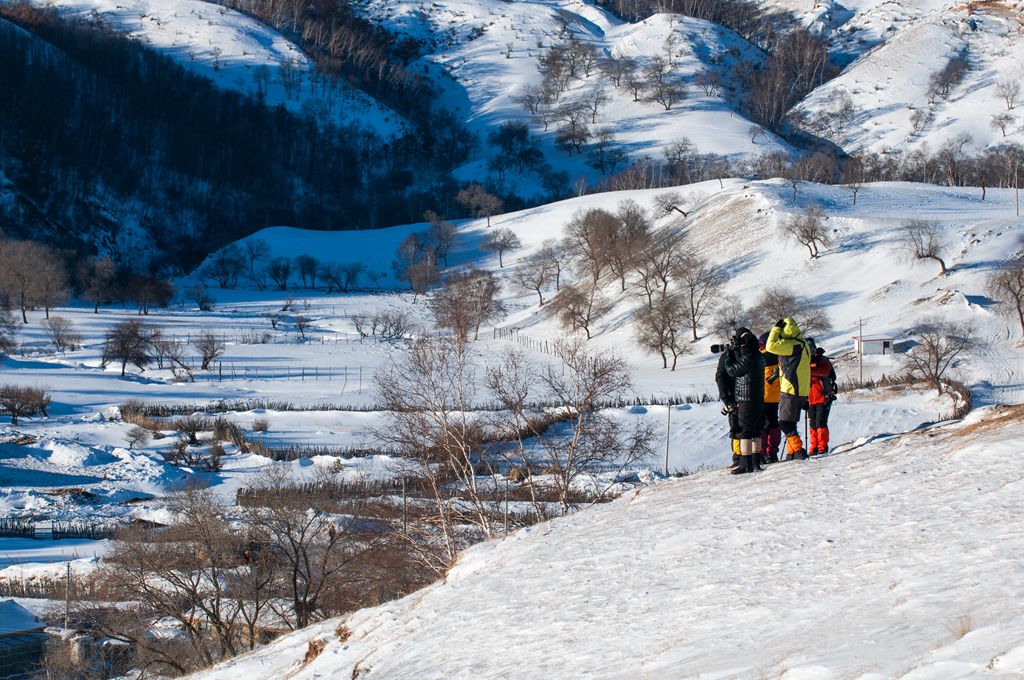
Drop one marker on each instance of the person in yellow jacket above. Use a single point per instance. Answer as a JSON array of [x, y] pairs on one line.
[[787, 342], [771, 435]]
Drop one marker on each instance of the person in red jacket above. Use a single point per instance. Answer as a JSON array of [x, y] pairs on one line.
[[823, 377]]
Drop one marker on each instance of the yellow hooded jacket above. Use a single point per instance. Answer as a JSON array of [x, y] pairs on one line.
[[794, 358]]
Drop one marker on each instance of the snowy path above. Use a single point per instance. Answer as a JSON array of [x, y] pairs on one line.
[[899, 560]]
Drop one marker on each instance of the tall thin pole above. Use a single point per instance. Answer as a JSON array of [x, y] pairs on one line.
[[860, 351], [67, 597], [1016, 190], [668, 433]]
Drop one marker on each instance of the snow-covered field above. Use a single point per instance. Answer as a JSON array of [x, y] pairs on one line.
[[896, 557]]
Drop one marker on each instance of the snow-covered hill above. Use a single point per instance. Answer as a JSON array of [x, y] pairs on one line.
[[897, 557], [896, 48]]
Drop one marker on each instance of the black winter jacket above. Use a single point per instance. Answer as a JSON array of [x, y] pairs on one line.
[[726, 385], [746, 367]]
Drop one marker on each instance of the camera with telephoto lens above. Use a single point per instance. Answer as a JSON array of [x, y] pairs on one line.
[[727, 347]]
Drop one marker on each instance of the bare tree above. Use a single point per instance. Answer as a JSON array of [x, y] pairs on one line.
[[415, 263], [52, 286], [26, 265], [182, 576], [534, 274], [313, 545], [922, 240], [939, 344], [578, 306], [555, 253], [18, 402], [62, 334], [809, 229], [255, 249], [308, 267], [630, 239], [659, 329], [853, 176], [669, 202], [729, 316], [499, 241], [225, 266], [701, 284], [279, 269], [95, 279], [467, 300], [778, 302], [1007, 286], [341, 277], [590, 238], [8, 329], [1001, 121], [210, 348], [441, 236], [591, 441], [1009, 90], [662, 86], [429, 395], [129, 342], [148, 291], [573, 133], [479, 202]]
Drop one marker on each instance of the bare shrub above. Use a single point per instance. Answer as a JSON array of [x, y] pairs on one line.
[[225, 266], [62, 334], [137, 436], [308, 266], [279, 270], [191, 426], [260, 425], [200, 296], [18, 402]]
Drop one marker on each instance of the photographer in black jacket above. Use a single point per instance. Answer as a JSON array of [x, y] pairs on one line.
[[741, 379]]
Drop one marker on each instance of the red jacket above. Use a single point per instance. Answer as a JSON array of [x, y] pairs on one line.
[[821, 368]]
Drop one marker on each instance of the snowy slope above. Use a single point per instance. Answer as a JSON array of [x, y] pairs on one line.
[[895, 558], [233, 50], [900, 46]]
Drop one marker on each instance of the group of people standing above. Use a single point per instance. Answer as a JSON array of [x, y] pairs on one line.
[[765, 382]]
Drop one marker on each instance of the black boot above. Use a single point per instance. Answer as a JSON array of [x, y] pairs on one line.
[[735, 461], [755, 463], [744, 466]]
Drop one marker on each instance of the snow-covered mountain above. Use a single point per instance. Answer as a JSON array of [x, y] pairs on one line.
[[893, 557]]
